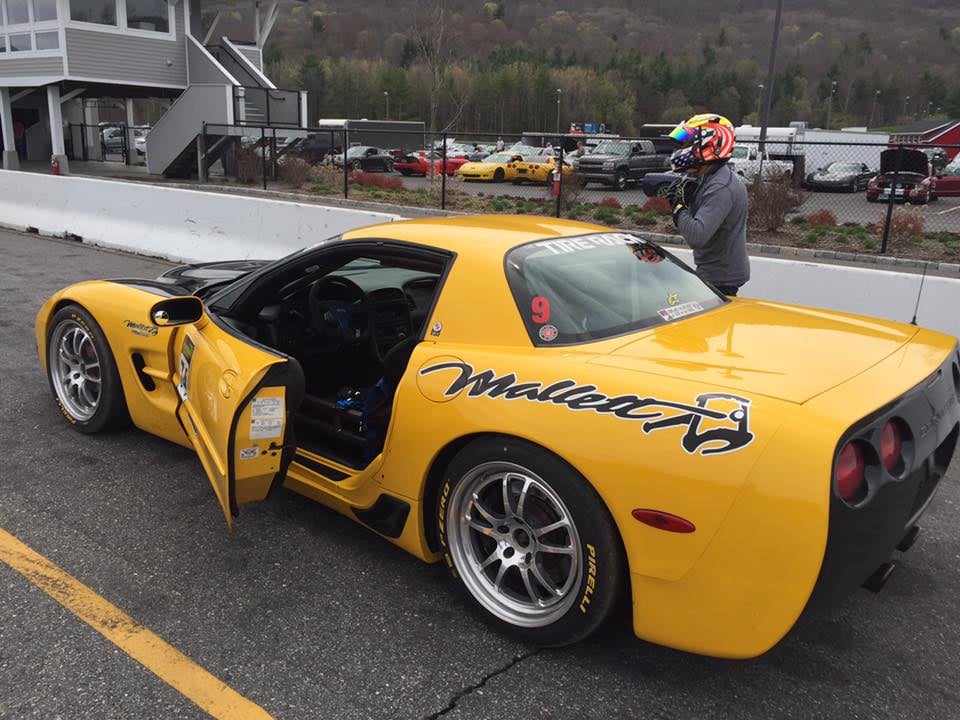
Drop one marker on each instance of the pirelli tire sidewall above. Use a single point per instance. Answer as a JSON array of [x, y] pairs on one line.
[[601, 586], [112, 410]]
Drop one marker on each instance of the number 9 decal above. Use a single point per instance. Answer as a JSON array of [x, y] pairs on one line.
[[541, 310]]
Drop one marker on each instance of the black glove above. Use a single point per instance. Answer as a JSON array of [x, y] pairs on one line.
[[677, 195]]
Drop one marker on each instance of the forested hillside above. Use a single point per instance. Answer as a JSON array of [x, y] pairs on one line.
[[468, 64]]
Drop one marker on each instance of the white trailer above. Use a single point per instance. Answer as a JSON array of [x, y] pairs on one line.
[[812, 148]]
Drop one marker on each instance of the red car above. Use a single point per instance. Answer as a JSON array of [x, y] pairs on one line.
[[915, 184], [948, 181], [427, 162]]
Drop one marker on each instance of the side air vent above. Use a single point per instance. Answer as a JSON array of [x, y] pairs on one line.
[[148, 382]]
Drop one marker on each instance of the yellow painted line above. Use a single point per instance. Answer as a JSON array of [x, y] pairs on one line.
[[163, 660]]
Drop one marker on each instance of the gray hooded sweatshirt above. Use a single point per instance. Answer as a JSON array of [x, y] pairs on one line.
[[715, 227]]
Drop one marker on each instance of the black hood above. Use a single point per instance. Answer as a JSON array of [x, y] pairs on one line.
[[913, 161], [196, 277]]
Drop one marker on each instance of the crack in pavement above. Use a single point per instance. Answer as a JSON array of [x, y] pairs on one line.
[[483, 681]]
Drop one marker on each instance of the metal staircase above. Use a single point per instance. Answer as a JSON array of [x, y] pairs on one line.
[[228, 99]]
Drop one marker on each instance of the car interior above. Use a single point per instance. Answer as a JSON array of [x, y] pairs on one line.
[[351, 318]]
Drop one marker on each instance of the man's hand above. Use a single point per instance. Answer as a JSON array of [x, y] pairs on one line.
[[677, 197]]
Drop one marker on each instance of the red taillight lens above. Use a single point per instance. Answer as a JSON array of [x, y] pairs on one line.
[[890, 446], [850, 472]]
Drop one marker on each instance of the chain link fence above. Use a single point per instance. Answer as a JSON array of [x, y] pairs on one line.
[[862, 198]]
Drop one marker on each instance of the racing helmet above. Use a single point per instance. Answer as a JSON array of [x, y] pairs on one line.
[[707, 138]]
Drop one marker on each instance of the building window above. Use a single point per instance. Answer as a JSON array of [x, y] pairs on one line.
[[44, 10], [48, 40], [20, 43], [102, 12], [3, 44], [148, 15], [18, 11]]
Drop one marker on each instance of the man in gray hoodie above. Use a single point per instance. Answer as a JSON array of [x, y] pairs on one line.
[[710, 207]]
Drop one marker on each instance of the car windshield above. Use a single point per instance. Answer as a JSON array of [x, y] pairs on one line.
[[612, 148], [842, 167], [356, 151], [499, 158], [573, 290]]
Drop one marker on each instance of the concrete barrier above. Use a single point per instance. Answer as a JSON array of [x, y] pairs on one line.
[[880, 293], [190, 225], [177, 224]]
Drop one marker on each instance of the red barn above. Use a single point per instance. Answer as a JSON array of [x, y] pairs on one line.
[[945, 133]]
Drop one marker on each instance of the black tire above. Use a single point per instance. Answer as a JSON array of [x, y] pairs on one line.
[[357, 165], [620, 180], [387, 166], [111, 412], [589, 593], [498, 175], [405, 173]]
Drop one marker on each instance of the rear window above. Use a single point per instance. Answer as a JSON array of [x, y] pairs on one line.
[[574, 290]]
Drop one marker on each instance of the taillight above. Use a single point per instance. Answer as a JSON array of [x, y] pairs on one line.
[[849, 475], [890, 443]]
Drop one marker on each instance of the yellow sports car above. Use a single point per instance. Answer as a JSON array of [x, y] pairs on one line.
[[562, 413], [494, 168], [539, 169]]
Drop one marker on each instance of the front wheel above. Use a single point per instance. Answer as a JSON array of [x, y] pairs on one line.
[[82, 372], [620, 180], [530, 541]]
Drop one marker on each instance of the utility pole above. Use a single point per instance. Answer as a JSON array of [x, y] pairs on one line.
[[873, 108], [833, 89], [559, 92], [771, 65], [386, 97], [759, 101]]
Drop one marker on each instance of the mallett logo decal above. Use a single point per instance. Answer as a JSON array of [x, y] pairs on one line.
[[729, 428]]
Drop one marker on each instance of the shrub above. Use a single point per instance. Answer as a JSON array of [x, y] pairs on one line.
[[249, 165], [606, 215], [658, 205], [610, 202], [798, 220], [904, 225], [383, 181], [326, 177], [770, 202], [294, 171], [822, 217], [643, 220]]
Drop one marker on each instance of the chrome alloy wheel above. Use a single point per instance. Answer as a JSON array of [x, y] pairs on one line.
[[514, 543], [75, 369]]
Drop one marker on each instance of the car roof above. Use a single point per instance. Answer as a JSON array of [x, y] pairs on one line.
[[475, 235]]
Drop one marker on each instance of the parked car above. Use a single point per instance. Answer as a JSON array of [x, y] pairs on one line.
[[849, 176], [427, 162], [564, 415], [539, 169], [915, 183], [495, 168], [363, 157], [112, 139], [948, 181], [314, 148], [619, 162], [745, 162]]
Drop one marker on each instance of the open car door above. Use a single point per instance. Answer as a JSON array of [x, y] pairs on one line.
[[237, 401]]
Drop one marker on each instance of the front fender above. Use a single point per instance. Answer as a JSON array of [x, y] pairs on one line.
[[141, 350]]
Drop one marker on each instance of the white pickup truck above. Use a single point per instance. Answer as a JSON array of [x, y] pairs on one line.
[[745, 162]]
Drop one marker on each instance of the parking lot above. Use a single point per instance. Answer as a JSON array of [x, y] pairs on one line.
[[308, 615], [943, 215]]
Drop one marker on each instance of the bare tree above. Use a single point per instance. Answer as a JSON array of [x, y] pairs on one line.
[[434, 49]]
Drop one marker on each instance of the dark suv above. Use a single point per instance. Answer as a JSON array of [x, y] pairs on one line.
[[618, 162]]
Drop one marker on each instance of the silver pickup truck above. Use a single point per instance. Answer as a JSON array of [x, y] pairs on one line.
[[618, 162]]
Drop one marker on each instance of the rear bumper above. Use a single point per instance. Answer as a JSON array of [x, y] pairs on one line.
[[863, 537]]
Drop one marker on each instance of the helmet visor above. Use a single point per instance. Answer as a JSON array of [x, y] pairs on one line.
[[682, 133]]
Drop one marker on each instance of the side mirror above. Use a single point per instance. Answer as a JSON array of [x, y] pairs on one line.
[[177, 311]]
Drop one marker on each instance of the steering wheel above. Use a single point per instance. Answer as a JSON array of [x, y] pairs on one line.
[[339, 312]]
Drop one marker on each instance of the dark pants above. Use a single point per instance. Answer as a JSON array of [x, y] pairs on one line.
[[730, 290]]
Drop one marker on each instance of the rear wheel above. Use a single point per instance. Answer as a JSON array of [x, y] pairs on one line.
[[82, 372], [498, 175], [530, 541]]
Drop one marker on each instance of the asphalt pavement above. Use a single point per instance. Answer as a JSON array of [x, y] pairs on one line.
[[311, 616]]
